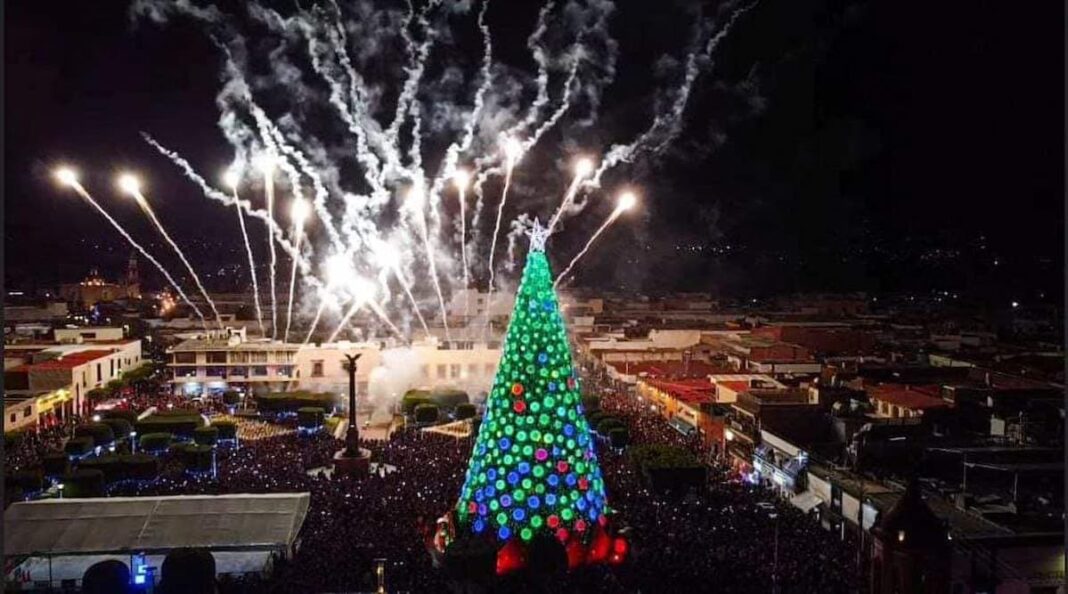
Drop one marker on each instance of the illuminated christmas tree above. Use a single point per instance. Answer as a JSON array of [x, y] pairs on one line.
[[534, 469]]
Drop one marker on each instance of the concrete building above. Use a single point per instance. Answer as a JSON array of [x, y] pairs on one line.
[[218, 361], [49, 382]]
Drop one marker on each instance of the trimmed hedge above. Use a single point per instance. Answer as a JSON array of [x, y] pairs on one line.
[[28, 480], [606, 424], [426, 413], [183, 423], [55, 464], [195, 457], [79, 446], [206, 436], [121, 428], [121, 413], [667, 468], [140, 466], [110, 466], [445, 399], [619, 437], [414, 398], [310, 417], [331, 424], [98, 394], [466, 411], [100, 433], [13, 438], [231, 398], [156, 442], [227, 429], [292, 401], [83, 483]]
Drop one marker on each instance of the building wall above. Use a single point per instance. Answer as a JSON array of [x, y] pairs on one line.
[[320, 369], [87, 334], [20, 415]]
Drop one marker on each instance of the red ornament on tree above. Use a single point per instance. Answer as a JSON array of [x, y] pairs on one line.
[[517, 389]]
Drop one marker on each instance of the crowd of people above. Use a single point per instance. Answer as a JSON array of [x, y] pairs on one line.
[[723, 534]]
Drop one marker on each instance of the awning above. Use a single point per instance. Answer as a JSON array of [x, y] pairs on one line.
[[108, 525], [806, 501], [682, 426]]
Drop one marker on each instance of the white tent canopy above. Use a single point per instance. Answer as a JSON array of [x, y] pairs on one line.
[[145, 524]]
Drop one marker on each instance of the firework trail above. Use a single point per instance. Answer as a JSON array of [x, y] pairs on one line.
[[299, 213], [665, 127], [216, 195], [268, 180], [232, 181], [513, 150], [88, 198], [130, 185], [416, 204], [356, 305], [625, 203], [391, 117], [314, 322], [582, 168]]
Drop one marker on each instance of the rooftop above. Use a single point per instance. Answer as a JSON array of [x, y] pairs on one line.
[[150, 524], [920, 397], [668, 369], [690, 391], [219, 344], [69, 361]]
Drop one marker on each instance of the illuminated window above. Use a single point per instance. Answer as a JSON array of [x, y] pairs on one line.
[[441, 371], [317, 369], [454, 371]]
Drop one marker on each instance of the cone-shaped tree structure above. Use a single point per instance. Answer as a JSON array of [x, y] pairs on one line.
[[534, 469]]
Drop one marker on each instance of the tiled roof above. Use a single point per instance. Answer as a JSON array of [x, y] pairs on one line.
[[910, 397], [667, 369], [65, 362], [691, 391]]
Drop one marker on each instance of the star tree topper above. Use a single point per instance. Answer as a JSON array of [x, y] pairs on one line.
[[538, 236]]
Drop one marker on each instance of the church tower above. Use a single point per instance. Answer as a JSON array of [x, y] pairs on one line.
[[133, 279]]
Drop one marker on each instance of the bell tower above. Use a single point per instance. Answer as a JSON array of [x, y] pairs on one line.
[[133, 279]]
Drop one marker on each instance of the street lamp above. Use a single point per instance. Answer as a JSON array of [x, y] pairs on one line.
[[60, 487], [133, 441]]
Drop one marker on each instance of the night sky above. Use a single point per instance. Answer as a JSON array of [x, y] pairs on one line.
[[898, 146]]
